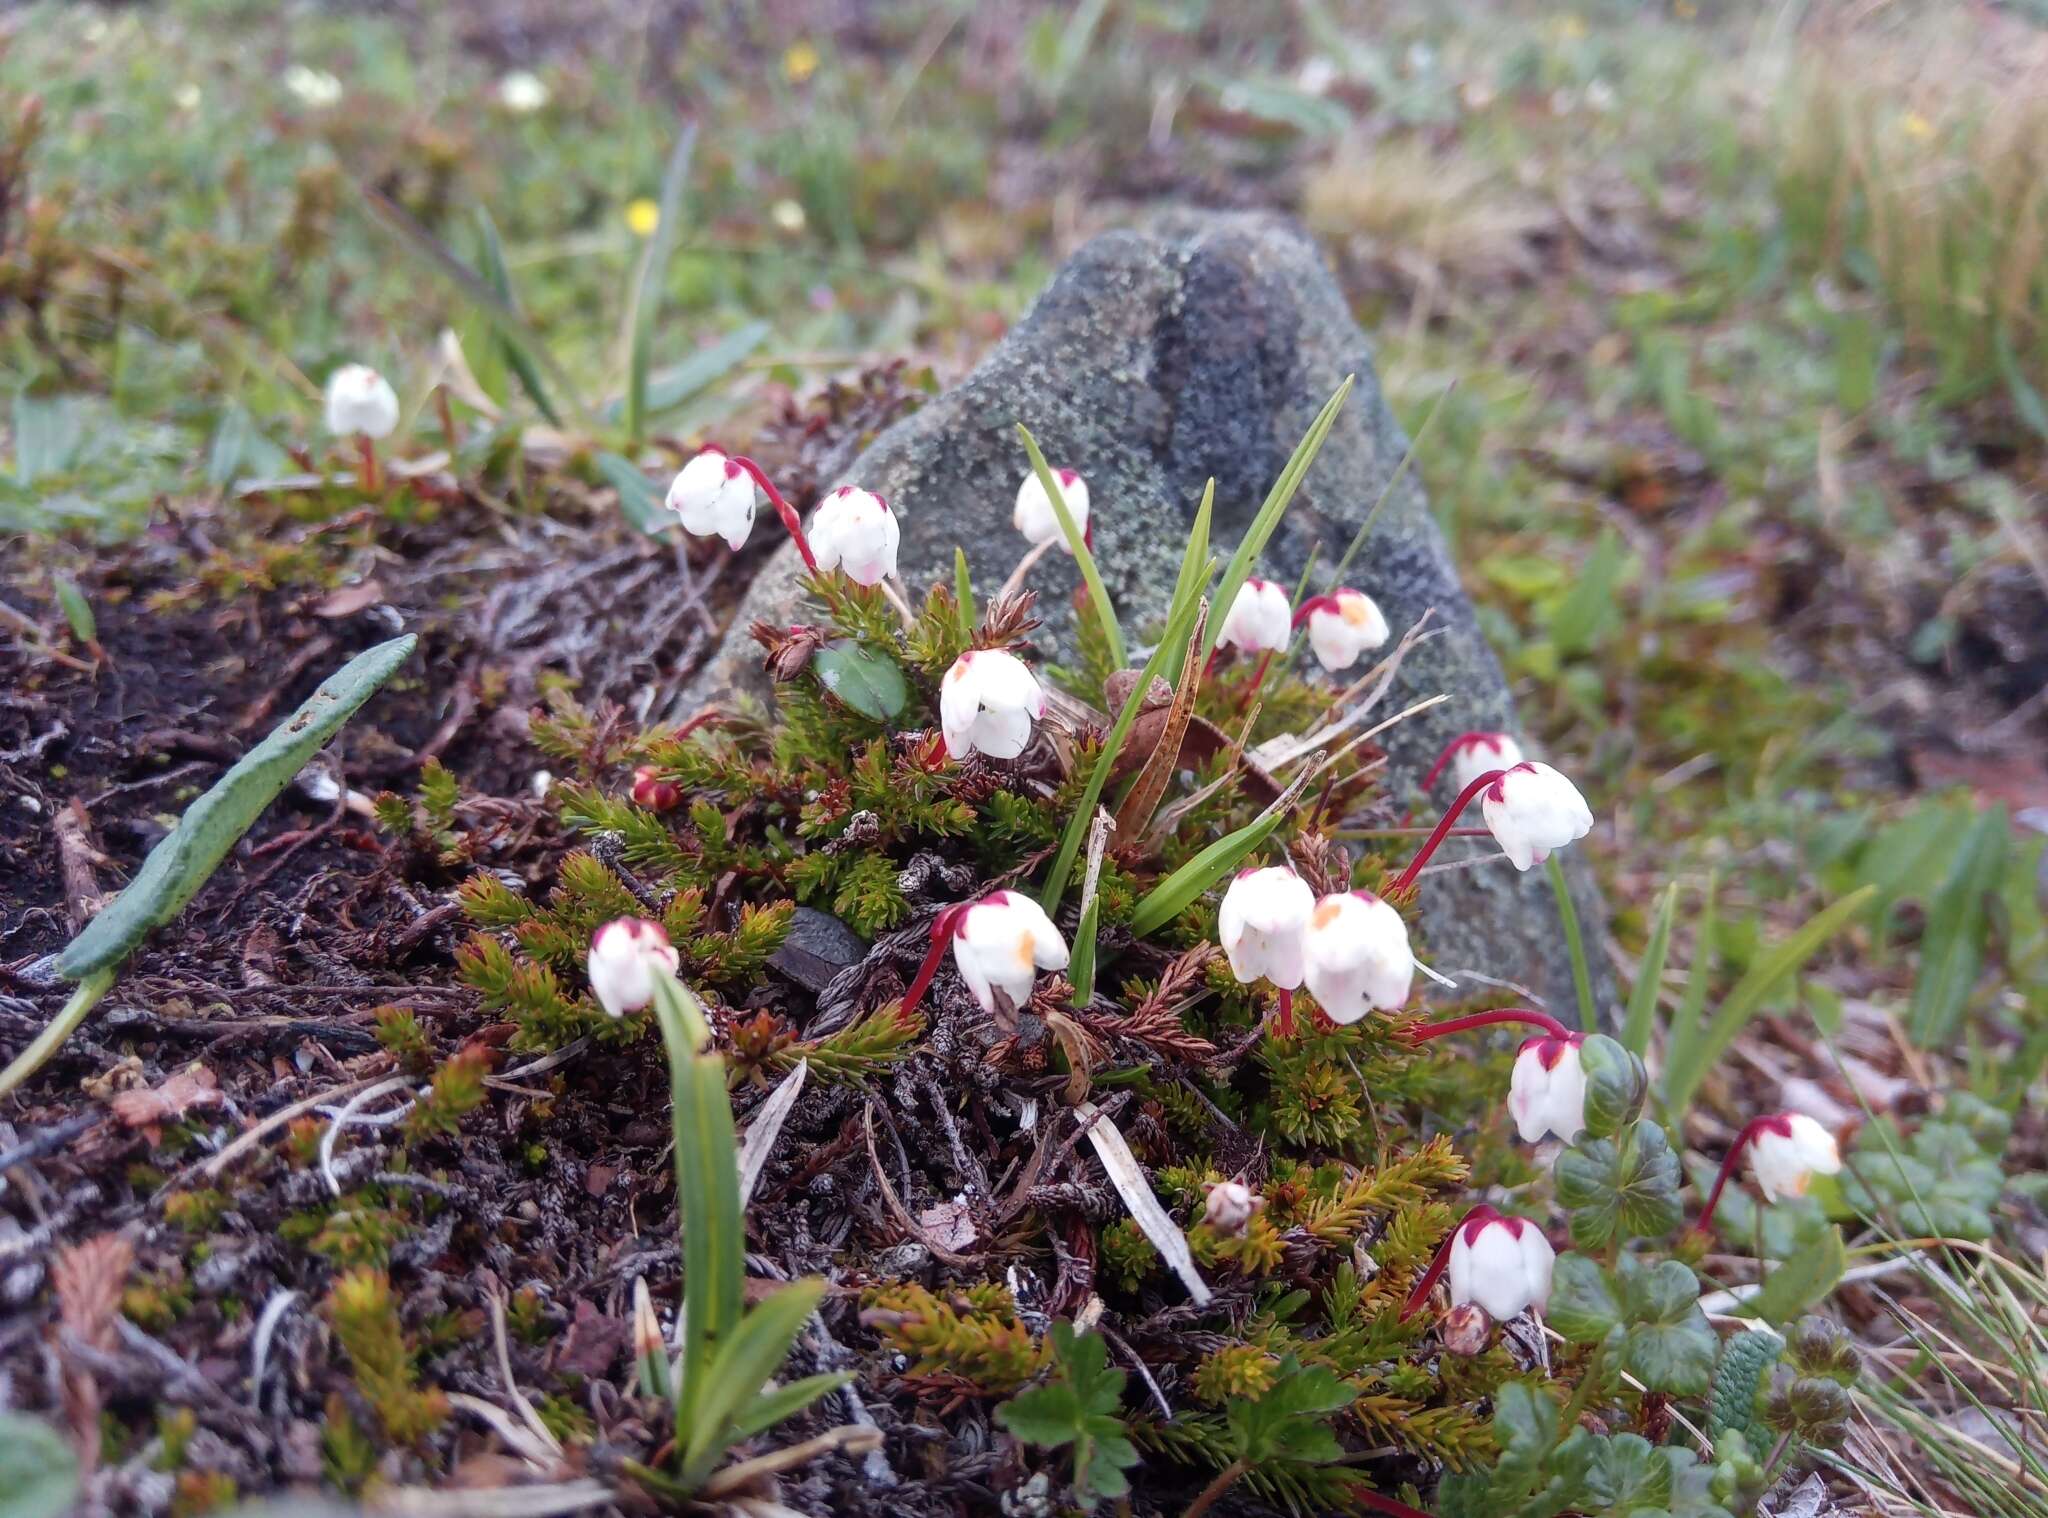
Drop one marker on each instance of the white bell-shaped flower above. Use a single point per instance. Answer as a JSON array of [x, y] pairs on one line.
[[1259, 620], [1502, 1264], [1547, 1092], [1788, 1151], [1230, 1207], [987, 703], [1343, 627], [1264, 926], [854, 530], [714, 497], [1531, 810], [1471, 755], [360, 400], [1001, 943], [1035, 517], [624, 956], [1357, 956]]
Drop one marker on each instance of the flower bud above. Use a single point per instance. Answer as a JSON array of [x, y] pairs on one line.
[[987, 703], [1531, 810], [1259, 620], [653, 792], [714, 497], [854, 531], [1263, 924], [1342, 627], [1547, 1092], [1001, 943], [1788, 1151], [625, 955], [1470, 755], [359, 399], [1035, 517], [1357, 956], [1502, 1264], [1230, 1207], [1466, 1330]]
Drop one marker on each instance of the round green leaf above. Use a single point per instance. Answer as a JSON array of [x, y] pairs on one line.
[[1616, 1086], [871, 683], [38, 1471]]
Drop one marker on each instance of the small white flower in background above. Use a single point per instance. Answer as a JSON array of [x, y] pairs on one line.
[[359, 399], [1789, 1150], [1231, 1206], [1259, 620], [624, 955], [714, 497], [1502, 1264], [1001, 943], [1475, 754], [1531, 810], [1547, 1092], [1263, 924], [788, 216], [187, 96], [987, 703], [522, 92], [314, 87], [1357, 956], [854, 530], [1343, 627], [1034, 516]]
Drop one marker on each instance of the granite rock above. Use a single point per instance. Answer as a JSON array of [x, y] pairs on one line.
[[1203, 345]]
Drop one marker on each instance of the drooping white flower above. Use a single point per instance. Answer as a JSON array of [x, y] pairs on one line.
[[1343, 627], [1231, 1206], [714, 497], [624, 956], [522, 92], [1788, 1151], [1259, 620], [1470, 755], [359, 399], [1263, 924], [1034, 516], [1502, 1264], [987, 703], [1531, 810], [855, 531], [1001, 943], [1357, 956], [1547, 1092]]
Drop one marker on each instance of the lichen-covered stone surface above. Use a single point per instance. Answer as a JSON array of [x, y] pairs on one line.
[[1203, 346]]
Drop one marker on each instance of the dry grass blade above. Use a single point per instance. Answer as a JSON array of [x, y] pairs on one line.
[[1145, 793]]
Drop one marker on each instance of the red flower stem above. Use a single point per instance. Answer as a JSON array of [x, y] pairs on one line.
[[1258, 679], [1743, 1140], [1522, 1015], [1437, 1266], [1283, 1015], [1444, 758], [371, 480], [942, 929], [782, 509], [1443, 828], [1385, 1505]]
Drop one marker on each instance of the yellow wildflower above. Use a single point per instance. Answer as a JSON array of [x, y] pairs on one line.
[[643, 216], [799, 62]]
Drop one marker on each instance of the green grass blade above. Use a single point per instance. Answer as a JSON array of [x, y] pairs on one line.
[[84, 997], [1260, 533], [671, 387], [639, 502], [755, 1351], [1642, 1001], [771, 1407], [508, 322], [1105, 613], [1689, 1022], [963, 593], [1081, 964], [707, 1191], [1387, 490], [499, 274], [1187, 603], [643, 291], [1575, 945], [1958, 923], [179, 865], [1168, 899], [1747, 999]]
